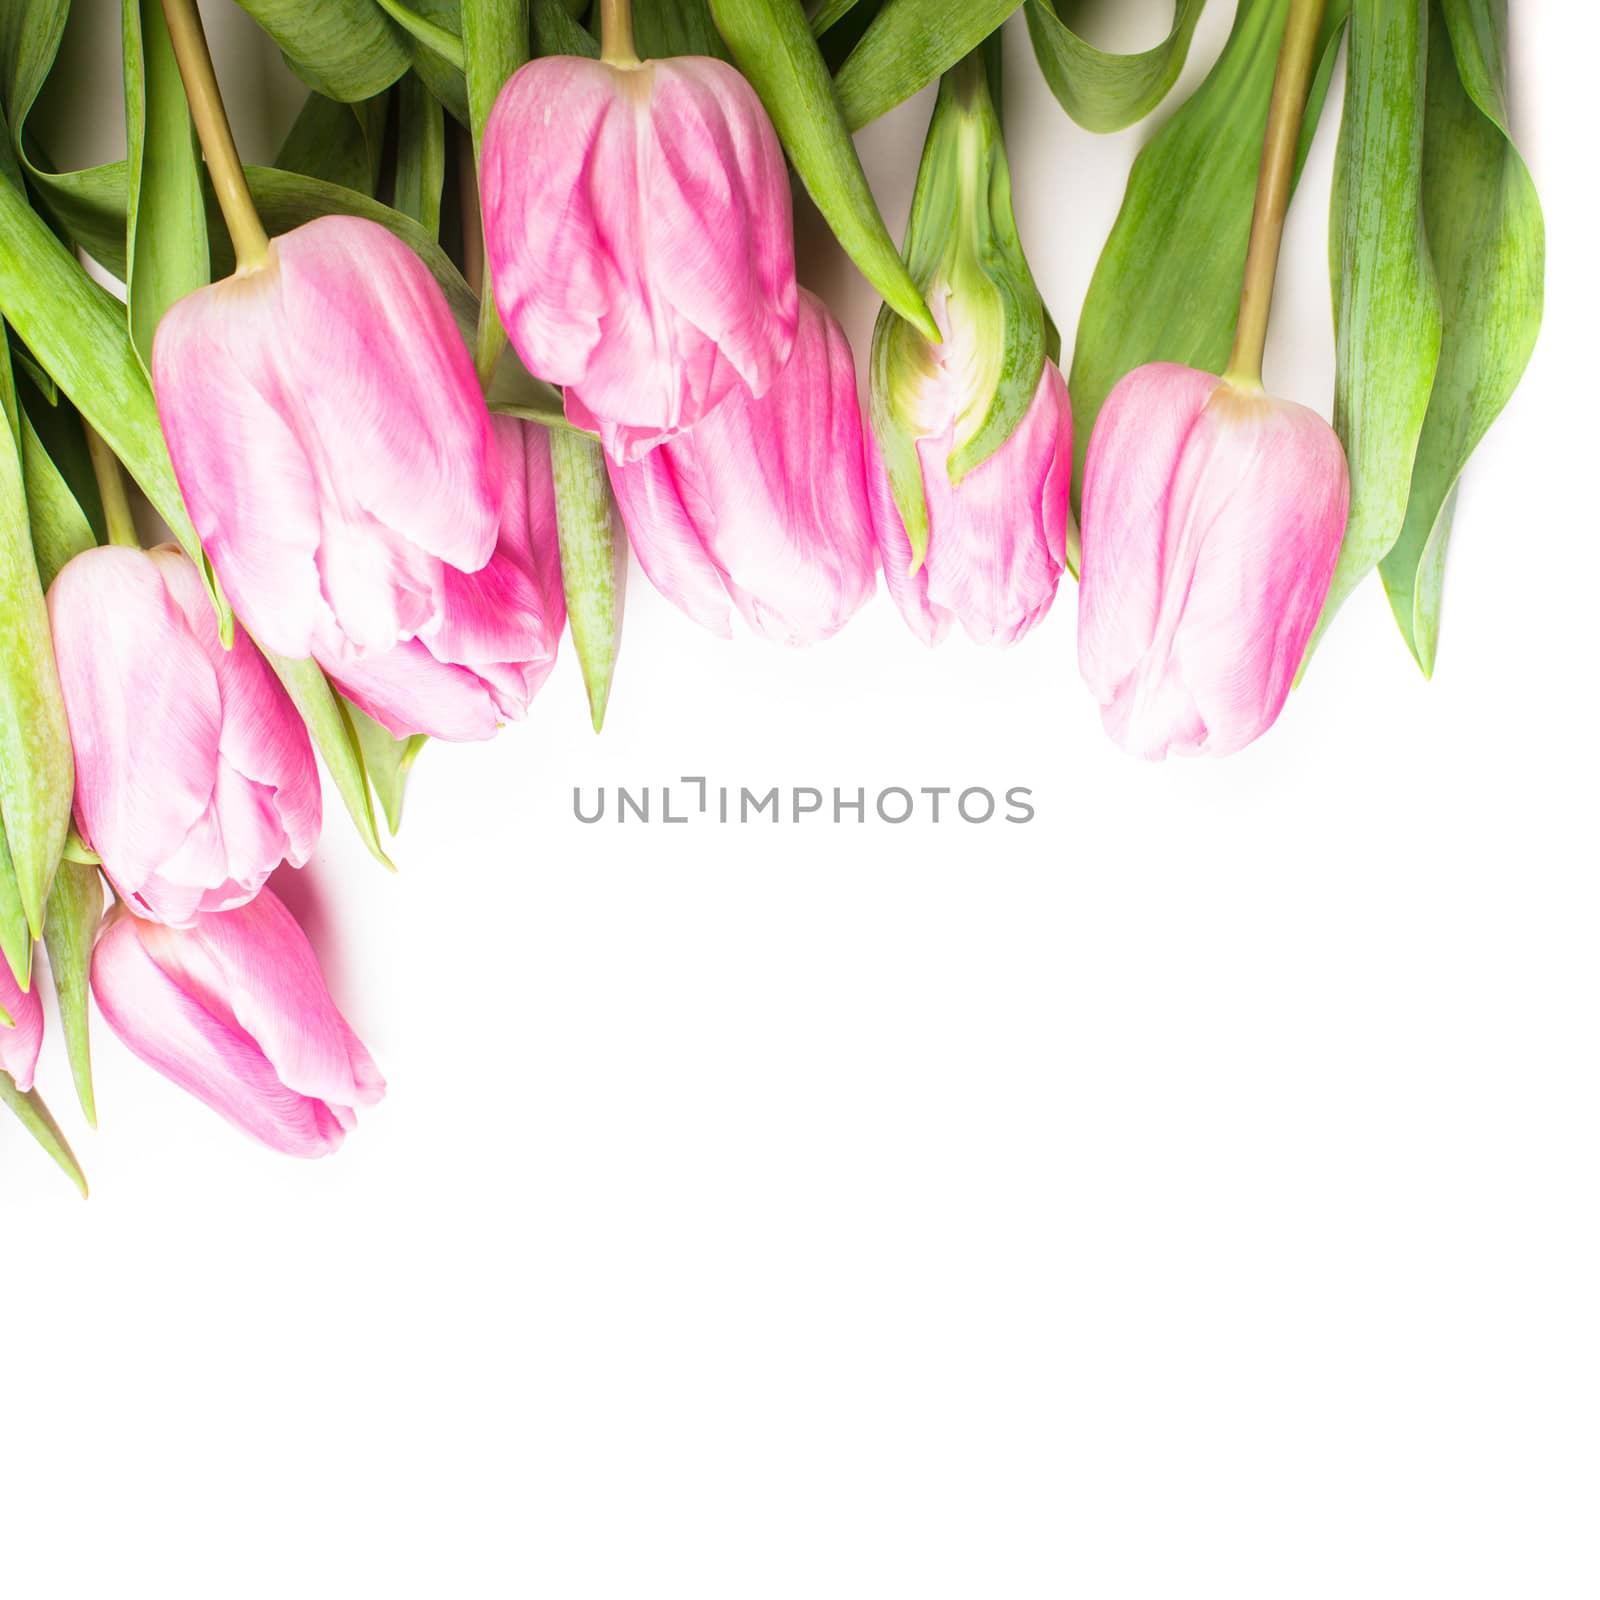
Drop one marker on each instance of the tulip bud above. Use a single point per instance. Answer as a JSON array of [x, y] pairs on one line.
[[976, 431], [1212, 518], [479, 660], [235, 1010], [21, 1030], [764, 501], [195, 778], [332, 445], [638, 225]]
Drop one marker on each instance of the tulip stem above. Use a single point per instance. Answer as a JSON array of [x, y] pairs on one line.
[[108, 479], [1296, 59], [616, 33], [216, 137]]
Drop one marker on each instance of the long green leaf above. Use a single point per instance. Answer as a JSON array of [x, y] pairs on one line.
[[345, 49], [429, 31], [594, 560], [16, 938], [1486, 235], [168, 256], [910, 43], [35, 750], [34, 1115], [1168, 280], [58, 430], [772, 45], [338, 142], [60, 528], [1098, 89], [327, 720], [675, 28], [419, 154], [1385, 301], [72, 917]]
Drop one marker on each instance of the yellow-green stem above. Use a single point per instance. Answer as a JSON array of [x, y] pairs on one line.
[[1296, 59], [216, 137], [616, 33], [113, 489]]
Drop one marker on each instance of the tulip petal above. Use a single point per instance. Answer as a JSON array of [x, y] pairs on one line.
[[22, 1037]]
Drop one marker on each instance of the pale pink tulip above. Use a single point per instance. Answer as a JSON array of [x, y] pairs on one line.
[[492, 642], [1212, 518], [21, 1029], [997, 541], [331, 442], [195, 777], [235, 1010], [764, 502], [639, 239]]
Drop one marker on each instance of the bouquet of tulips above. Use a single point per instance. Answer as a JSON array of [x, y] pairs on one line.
[[321, 459]]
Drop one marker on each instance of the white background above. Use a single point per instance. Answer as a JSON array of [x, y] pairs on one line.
[[1190, 1193]]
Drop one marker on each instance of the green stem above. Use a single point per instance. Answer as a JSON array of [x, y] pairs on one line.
[[250, 241], [616, 33], [113, 489], [1296, 60]]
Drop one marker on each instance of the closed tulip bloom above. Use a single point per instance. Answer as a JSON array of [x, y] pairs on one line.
[[195, 778], [331, 441], [639, 238], [492, 641], [764, 502], [21, 1030], [997, 540], [1212, 518], [235, 1010]]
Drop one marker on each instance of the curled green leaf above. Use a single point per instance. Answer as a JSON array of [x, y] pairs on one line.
[[345, 49]]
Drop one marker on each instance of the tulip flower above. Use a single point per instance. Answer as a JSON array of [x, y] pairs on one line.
[[764, 502], [492, 641], [330, 439], [21, 1030], [235, 1010], [637, 218], [976, 431], [1212, 517], [195, 777]]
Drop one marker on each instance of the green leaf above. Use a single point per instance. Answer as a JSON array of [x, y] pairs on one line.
[[1486, 235], [429, 31], [594, 560], [910, 43], [556, 34], [327, 720], [34, 1115], [388, 761], [494, 40], [1097, 89], [16, 939], [419, 155], [79, 334], [72, 917], [168, 256], [338, 142], [1385, 301], [1167, 284], [60, 528], [772, 45], [345, 49], [35, 751], [58, 429], [675, 28]]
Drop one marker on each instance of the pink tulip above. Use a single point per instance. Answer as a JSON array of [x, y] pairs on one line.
[[235, 1010], [194, 774], [639, 239], [331, 442], [21, 1029], [492, 642], [764, 501], [997, 541], [1212, 518]]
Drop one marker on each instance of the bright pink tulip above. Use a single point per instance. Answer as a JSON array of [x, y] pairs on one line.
[[195, 777], [235, 1010], [764, 501], [21, 1029], [1212, 518], [997, 541], [492, 642], [332, 444], [639, 239]]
